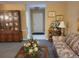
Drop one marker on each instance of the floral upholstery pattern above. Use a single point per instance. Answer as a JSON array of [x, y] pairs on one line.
[[63, 50], [70, 38], [73, 42], [75, 47]]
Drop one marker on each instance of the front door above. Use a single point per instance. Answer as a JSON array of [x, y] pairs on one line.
[[37, 21]]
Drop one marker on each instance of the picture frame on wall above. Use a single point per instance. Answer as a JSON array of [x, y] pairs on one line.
[[59, 17], [78, 25], [51, 14]]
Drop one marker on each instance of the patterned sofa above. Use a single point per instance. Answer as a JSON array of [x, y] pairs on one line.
[[67, 47]]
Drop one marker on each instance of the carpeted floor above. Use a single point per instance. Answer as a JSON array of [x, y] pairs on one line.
[[10, 49]]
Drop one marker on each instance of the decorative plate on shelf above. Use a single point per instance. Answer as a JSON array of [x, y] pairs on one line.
[[16, 28], [7, 24], [9, 13], [16, 23], [1, 17], [6, 17], [15, 18], [10, 24], [15, 13], [10, 18]]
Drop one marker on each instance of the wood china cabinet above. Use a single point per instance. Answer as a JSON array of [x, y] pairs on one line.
[[10, 26]]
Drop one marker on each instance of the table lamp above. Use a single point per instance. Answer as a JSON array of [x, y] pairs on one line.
[[62, 26]]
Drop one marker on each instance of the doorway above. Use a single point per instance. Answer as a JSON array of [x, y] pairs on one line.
[[37, 21]]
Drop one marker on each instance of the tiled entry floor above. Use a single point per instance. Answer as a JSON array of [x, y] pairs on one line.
[[39, 37]]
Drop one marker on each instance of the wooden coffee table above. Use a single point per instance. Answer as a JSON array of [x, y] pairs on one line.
[[43, 48]]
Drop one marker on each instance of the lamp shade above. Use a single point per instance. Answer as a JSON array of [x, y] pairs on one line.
[[62, 25]]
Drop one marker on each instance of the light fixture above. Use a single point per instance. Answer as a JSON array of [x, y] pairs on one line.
[[62, 26]]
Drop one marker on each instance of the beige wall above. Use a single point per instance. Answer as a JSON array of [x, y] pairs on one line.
[[16, 6], [59, 8], [72, 15], [70, 10]]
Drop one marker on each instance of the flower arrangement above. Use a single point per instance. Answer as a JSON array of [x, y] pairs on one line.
[[31, 48]]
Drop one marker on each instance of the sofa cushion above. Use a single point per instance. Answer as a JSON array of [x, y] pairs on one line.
[[73, 42], [63, 50], [75, 47], [70, 38], [66, 37]]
